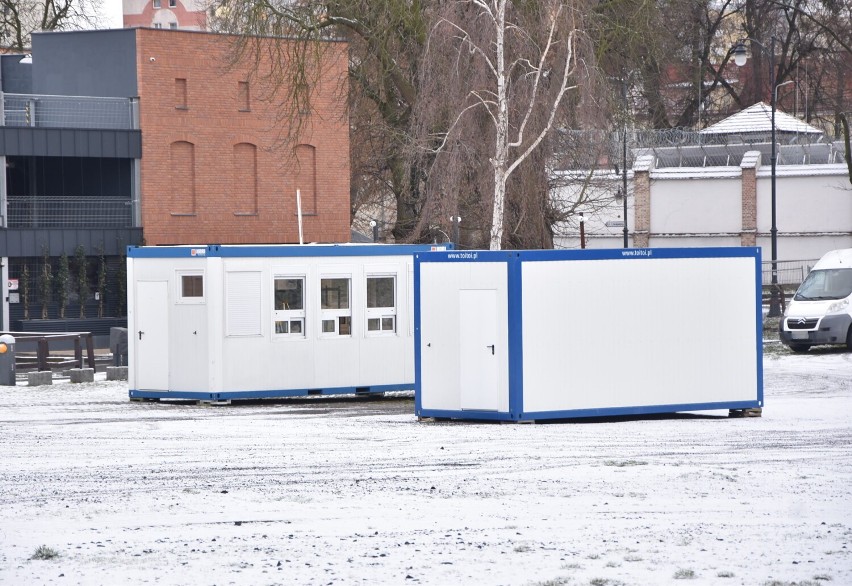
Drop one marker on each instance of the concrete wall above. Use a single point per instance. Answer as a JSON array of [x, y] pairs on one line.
[[726, 206], [85, 63], [203, 123], [686, 205]]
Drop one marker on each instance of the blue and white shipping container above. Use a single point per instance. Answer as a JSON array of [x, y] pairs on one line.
[[532, 335], [222, 322]]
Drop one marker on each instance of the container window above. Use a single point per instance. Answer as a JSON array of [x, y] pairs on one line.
[[381, 305], [289, 306], [335, 307], [190, 287]]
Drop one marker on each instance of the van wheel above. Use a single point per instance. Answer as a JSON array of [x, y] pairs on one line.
[[849, 339], [799, 348]]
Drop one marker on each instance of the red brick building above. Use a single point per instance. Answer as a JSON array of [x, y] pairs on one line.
[[215, 167]]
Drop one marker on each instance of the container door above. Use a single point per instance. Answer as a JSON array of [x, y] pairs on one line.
[[152, 335], [477, 345]]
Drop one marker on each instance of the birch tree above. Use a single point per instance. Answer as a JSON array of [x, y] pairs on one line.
[[527, 54]]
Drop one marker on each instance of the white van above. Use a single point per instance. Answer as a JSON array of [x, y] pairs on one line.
[[821, 309]]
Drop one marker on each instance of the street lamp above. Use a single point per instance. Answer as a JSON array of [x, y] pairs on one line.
[[740, 54]]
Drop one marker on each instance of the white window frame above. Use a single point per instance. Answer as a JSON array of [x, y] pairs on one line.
[[179, 296], [289, 315], [335, 315], [381, 313], [157, 4]]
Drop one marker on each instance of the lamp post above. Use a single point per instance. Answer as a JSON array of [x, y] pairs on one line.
[[740, 57], [582, 231]]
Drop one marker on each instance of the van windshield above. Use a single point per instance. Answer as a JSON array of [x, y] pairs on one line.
[[826, 284]]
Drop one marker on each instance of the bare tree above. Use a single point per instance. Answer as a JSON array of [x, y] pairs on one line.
[[19, 18], [514, 65]]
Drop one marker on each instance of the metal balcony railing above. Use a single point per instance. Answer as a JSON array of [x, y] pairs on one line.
[[45, 111], [68, 212]]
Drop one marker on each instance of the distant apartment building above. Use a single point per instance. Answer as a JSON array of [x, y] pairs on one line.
[[130, 136], [168, 14]]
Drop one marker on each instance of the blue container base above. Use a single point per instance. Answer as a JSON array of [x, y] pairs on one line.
[[644, 411], [223, 396]]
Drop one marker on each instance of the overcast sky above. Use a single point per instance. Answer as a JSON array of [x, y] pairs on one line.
[[111, 11]]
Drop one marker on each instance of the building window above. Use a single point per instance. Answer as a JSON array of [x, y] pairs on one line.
[[381, 305], [156, 5], [173, 25], [180, 94], [289, 310], [334, 304], [158, 25], [243, 103], [190, 287], [172, 3]]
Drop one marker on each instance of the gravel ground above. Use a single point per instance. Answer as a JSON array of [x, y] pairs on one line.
[[343, 491]]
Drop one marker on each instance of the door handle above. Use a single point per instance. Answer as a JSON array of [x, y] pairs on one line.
[[492, 349], [140, 334]]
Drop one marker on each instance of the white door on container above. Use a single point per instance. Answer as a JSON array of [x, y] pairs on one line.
[[152, 335], [477, 345]]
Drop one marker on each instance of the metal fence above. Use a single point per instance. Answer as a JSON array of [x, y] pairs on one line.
[[679, 147], [790, 272], [69, 212], [68, 112]]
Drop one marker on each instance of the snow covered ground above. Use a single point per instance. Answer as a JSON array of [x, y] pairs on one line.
[[358, 491]]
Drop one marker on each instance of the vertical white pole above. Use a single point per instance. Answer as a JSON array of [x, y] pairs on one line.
[[299, 213], [4, 291]]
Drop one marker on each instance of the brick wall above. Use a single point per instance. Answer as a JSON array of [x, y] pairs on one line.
[[214, 121], [642, 200], [749, 165]]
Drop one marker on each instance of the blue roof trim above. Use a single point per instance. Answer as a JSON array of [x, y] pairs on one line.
[[281, 250], [468, 256], [641, 253], [590, 254]]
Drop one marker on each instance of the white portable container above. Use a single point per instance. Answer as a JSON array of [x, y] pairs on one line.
[[527, 335], [238, 322], [821, 310]]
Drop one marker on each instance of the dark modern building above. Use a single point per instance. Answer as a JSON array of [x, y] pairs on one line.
[[71, 146]]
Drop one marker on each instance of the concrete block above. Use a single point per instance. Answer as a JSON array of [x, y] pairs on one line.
[[82, 375], [116, 372], [118, 346], [42, 377]]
